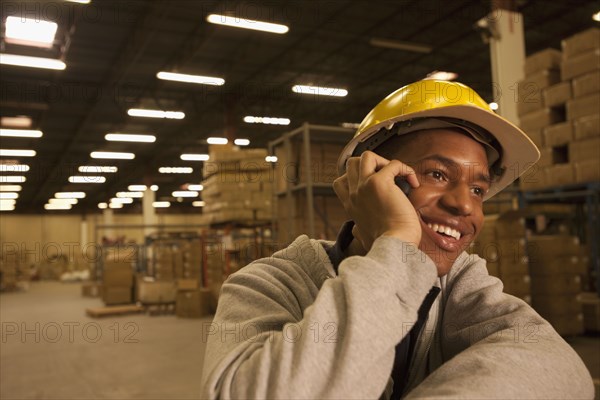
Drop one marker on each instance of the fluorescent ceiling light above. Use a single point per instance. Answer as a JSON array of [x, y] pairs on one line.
[[102, 206], [205, 80], [442, 75], [63, 201], [319, 91], [10, 188], [197, 188], [126, 137], [194, 157], [494, 106], [198, 203], [247, 24], [112, 155], [20, 121], [271, 158], [161, 204], [8, 202], [9, 195], [96, 169], [115, 205], [79, 1], [596, 16], [266, 120], [184, 193], [137, 188], [175, 170], [69, 195], [122, 200], [351, 125], [12, 179], [30, 32], [241, 142], [87, 179], [14, 168], [16, 153], [57, 206], [154, 188], [131, 195], [217, 140], [7, 207], [22, 133], [33, 62], [400, 45], [138, 112]]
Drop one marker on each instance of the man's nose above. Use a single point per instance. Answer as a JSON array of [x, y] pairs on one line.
[[458, 199]]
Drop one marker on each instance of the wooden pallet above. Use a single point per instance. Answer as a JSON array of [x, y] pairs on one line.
[[111, 311], [161, 309]]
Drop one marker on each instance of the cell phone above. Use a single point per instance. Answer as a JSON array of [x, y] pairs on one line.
[[403, 185]]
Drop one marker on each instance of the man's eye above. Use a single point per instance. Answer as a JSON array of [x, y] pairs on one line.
[[478, 191], [437, 175]]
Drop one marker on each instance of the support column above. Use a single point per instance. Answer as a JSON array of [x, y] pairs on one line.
[[148, 211]]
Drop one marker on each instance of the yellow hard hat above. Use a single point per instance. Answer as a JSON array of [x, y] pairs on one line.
[[430, 104]]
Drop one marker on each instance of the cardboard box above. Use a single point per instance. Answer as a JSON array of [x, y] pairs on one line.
[[91, 289], [581, 64], [567, 264], [156, 292], [590, 303], [530, 101], [587, 171], [555, 284], [586, 84], [536, 136], [534, 83], [117, 274], [112, 295], [580, 42], [557, 95], [517, 267], [584, 149], [558, 134], [534, 178], [566, 325], [544, 59], [545, 157], [193, 303], [517, 284], [586, 127], [540, 119], [548, 247], [122, 253], [187, 284], [510, 225], [582, 106], [557, 304], [560, 174]]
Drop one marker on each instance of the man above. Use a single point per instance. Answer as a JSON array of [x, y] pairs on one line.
[[396, 307]]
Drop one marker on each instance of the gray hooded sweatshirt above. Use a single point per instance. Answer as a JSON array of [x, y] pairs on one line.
[[289, 327]]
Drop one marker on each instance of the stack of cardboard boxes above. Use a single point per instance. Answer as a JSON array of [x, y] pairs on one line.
[[192, 301], [9, 271], [558, 103], [117, 275], [237, 186]]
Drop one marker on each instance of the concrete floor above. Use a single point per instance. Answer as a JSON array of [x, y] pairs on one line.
[[49, 349]]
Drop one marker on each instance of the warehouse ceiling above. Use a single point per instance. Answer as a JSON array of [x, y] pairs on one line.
[[114, 49]]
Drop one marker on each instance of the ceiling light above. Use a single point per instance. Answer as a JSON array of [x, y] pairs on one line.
[[237, 22], [30, 32], [87, 179], [217, 140], [132, 195], [96, 169], [115, 205], [9, 195], [198, 203], [194, 157], [493, 106], [122, 200], [241, 142], [79, 1], [351, 125], [136, 188], [16, 153], [154, 188], [161, 204], [138, 112], [266, 120], [184, 193], [14, 168], [205, 80], [20, 121], [22, 133], [319, 91], [8, 202], [197, 188], [112, 155], [125, 137], [596, 16], [57, 206], [7, 207], [33, 62], [400, 45], [102, 206], [10, 188], [69, 195], [12, 179], [175, 170], [442, 76], [63, 201], [271, 158]]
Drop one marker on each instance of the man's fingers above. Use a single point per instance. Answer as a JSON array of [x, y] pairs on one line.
[[396, 168], [371, 163], [340, 187]]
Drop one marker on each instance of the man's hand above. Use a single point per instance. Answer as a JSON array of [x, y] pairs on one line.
[[378, 207]]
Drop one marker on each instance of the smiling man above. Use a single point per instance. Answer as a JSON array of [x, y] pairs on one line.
[[396, 307]]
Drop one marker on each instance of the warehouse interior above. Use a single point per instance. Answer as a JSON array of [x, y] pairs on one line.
[[150, 149]]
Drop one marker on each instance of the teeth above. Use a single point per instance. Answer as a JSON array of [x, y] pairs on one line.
[[446, 230]]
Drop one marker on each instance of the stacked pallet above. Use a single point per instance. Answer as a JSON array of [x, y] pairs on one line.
[[192, 301], [117, 275], [558, 108], [237, 185]]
